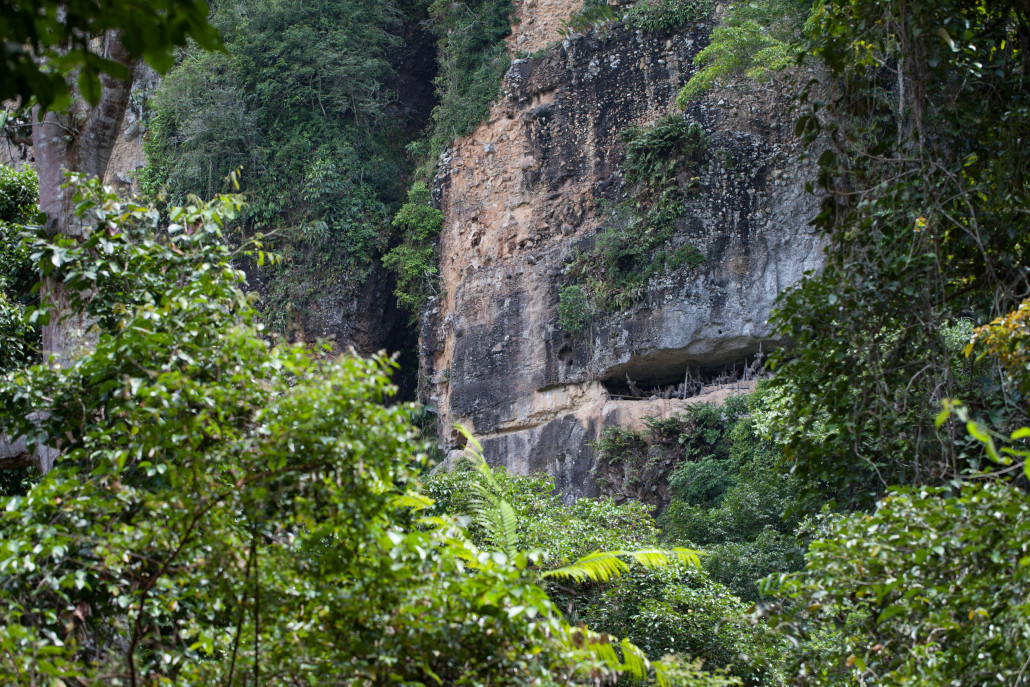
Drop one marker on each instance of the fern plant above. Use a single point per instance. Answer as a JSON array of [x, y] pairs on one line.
[[757, 40], [590, 18], [495, 516]]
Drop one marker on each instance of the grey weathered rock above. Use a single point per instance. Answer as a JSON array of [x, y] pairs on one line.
[[533, 394]]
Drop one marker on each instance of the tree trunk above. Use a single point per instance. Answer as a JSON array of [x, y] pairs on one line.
[[80, 140]]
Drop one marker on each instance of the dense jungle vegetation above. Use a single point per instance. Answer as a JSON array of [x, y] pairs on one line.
[[230, 508]]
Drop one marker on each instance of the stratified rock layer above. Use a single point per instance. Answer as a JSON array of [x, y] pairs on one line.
[[519, 196]]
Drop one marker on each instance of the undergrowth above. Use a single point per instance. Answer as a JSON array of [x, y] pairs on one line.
[[721, 485], [653, 16]]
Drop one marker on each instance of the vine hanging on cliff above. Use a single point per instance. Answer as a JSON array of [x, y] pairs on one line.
[[635, 243]]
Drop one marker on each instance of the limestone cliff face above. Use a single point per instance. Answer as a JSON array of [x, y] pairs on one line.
[[519, 196]]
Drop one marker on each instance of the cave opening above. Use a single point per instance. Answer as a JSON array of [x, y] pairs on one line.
[[639, 381]]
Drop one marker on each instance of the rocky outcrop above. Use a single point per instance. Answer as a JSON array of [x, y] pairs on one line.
[[520, 198]]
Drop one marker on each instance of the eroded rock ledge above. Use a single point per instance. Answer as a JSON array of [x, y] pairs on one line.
[[519, 196]]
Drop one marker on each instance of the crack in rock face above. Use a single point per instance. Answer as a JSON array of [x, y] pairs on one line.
[[524, 194]]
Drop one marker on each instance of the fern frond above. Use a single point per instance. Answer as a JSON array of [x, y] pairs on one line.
[[489, 509], [509, 543], [602, 566], [660, 558], [599, 566], [633, 661]]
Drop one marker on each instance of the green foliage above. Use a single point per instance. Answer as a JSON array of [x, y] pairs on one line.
[[225, 510], [667, 16], [686, 255], [472, 58], [732, 498], [654, 16], [634, 245], [55, 40], [563, 532], [568, 534], [923, 213], [654, 152], [415, 261], [16, 337], [573, 309], [726, 489], [756, 40], [929, 589], [592, 17], [300, 103], [1007, 340], [680, 610], [19, 196], [497, 521]]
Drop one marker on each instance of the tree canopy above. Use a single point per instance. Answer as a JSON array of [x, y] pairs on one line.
[[49, 39], [230, 511]]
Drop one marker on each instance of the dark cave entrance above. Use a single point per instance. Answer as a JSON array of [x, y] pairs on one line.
[[667, 378]]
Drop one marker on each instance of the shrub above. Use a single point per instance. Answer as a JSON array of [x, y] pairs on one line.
[[674, 610], [573, 312], [633, 246], [592, 17], [226, 510], [928, 589], [726, 492], [687, 255], [415, 261], [667, 16], [19, 198], [654, 151], [563, 531], [680, 610]]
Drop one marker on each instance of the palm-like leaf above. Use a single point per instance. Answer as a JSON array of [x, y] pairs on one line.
[[497, 518], [602, 566], [489, 509], [633, 661]]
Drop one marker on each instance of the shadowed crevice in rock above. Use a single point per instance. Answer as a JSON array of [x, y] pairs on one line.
[[678, 374]]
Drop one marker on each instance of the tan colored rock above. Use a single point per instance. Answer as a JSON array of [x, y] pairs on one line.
[[537, 397]]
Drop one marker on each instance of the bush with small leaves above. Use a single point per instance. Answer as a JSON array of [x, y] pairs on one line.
[[227, 511]]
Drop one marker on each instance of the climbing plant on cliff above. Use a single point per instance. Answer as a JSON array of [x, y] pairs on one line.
[[755, 40], [667, 15], [472, 59], [634, 244], [664, 16]]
